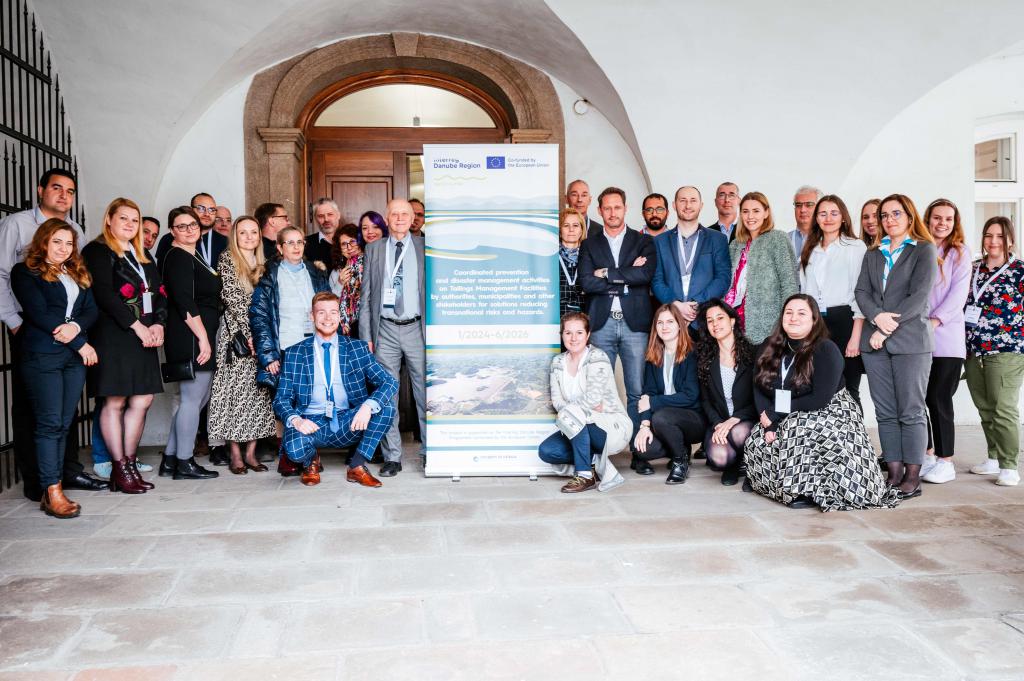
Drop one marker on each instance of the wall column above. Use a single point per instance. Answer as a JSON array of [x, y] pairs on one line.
[[285, 147]]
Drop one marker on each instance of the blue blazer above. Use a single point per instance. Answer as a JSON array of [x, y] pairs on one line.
[[44, 304], [684, 380], [711, 272], [358, 369]]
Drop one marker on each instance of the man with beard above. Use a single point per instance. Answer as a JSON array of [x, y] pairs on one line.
[[211, 244], [318, 246], [655, 212]]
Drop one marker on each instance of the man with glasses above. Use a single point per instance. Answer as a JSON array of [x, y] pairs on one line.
[[222, 222], [804, 201], [727, 199], [577, 195], [318, 246], [419, 216], [272, 218], [211, 244], [655, 212]]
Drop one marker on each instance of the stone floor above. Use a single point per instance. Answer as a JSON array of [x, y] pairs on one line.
[[255, 577]]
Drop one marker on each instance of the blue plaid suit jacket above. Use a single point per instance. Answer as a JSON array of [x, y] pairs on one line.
[[358, 369]]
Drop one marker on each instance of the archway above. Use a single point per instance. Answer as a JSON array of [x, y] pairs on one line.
[[285, 101]]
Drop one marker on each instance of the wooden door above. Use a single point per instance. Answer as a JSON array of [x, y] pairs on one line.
[[357, 180], [355, 195]]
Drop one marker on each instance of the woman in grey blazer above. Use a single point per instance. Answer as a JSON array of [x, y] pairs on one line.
[[892, 292], [763, 269]]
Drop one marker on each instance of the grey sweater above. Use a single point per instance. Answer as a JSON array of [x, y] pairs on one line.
[[771, 278]]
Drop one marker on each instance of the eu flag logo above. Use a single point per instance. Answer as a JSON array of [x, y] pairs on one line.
[[495, 162]]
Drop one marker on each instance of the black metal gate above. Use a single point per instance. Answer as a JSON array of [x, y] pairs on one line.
[[36, 136]]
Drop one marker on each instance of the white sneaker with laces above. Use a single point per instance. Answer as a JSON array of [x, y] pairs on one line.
[[929, 464], [942, 471], [143, 467], [1008, 477], [990, 467], [102, 470]]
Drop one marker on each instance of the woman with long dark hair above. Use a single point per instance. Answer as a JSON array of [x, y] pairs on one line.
[[725, 369], [669, 407], [372, 226], [810, 447]]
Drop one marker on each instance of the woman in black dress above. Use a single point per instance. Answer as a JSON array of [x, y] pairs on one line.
[[193, 299], [130, 328]]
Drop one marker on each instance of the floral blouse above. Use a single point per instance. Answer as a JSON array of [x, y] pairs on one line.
[[349, 293], [1001, 326]]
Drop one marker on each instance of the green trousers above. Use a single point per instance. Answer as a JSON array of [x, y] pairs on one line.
[[994, 382]]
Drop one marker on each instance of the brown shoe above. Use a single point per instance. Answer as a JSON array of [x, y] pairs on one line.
[[579, 484], [363, 476], [56, 504], [311, 474], [202, 447]]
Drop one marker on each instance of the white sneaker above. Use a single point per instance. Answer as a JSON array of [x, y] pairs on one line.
[[1008, 477], [143, 467], [929, 465], [990, 467], [102, 470], [942, 471]]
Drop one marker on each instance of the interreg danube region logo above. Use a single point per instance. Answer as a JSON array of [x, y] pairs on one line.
[[495, 162]]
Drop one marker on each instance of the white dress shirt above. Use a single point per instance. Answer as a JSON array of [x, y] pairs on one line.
[[831, 274]]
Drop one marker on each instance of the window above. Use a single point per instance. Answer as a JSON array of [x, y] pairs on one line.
[[998, 188], [404, 105], [994, 160]]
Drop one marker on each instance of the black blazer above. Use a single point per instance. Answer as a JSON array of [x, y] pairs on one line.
[[684, 380], [44, 304], [593, 227], [596, 253], [217, 241], [318, 250], [713, 395]]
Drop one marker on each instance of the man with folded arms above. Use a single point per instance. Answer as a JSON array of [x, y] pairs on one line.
[[322, 397]]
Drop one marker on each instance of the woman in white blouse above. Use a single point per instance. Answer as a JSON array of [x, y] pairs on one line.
[[829, 266]]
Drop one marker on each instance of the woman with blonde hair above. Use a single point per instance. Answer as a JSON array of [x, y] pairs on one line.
[[571, 233], [240, 409], [132, 306], [869, 222]]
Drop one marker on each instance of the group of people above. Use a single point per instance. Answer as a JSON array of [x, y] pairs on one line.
[[751, 343], [213, 306]]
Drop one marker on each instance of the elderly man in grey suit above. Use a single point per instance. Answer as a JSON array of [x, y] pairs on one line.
[[391, 312]]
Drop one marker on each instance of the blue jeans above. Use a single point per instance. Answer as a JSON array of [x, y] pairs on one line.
[[54, 384], [616, 339], [100, 453], [559, 449]]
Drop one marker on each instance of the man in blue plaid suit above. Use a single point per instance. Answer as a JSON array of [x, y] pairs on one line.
[[322, 400]]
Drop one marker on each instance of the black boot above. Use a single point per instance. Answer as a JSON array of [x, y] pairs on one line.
[[731, 474], [168, 465], [678, 470], [188, 469], [641, 466]]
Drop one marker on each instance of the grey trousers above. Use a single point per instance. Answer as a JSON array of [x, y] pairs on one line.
[[393, 343], [898, 384], [185, 424]]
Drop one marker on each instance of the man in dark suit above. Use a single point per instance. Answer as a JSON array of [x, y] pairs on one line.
[[211, 244], [727, 203], [322, 400], [391, 315], [577, 195], [693, 261], [318, 246], [272, 218], [616, 267]]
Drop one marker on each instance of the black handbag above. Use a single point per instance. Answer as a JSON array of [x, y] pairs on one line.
[[178, 371], [240, 345]]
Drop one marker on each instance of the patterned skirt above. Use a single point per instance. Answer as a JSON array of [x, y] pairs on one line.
[[825, 455]]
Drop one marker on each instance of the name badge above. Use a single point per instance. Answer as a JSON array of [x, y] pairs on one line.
[[686, 284], [389, 297], [783, 400], [147, 303], [972, 315], [329, 410]]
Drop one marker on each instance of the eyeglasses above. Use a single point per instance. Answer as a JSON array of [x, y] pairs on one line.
[[187, 226], [804, 204], [659, 210], [822, 214], [728, 195], [204, 210], [294, 242], [895, 215], [348, 244], [285, 216], [228, 220]]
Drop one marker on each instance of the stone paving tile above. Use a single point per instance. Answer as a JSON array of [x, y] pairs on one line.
[[975, 490], [34, 638], [301, 582], [846, 652], [285, 498], [780, 561], [36, 676], [558, 569], [305, 517], [723, 655], [551, 509], [44, 527], [548, 614], [296, 668], [91, 505], [657, 609], [964, 596], [981, 648], [264, 631], [382, 542], [30, 594], [227, 548], [182, 522], [507, 538], [711, 500], [160, 673], [519, 490], [152, 636], [817, 526], [1014, 543], [827, 600], [427, 514], [671, 531], [422, 576], [954, 521], [66, 555], [449, 618], [358, 623], [950, 555], [1013, 513], [682, 565], [555, 660]]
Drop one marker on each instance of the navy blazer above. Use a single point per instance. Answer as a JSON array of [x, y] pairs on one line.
[[711, 272], [596, 253], [44, 306], [684, 380], [358, 369]]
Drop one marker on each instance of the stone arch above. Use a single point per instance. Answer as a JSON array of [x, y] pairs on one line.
[[278, 101]]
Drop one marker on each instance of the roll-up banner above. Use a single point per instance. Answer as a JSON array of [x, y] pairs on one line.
[[492, 305]]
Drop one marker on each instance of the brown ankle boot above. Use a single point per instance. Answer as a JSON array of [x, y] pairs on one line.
[[56, 504], [122, 480], [136, 474]]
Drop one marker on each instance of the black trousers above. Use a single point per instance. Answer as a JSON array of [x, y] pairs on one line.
[[942, 385], [839, 321], [24, 426], [674, 431]]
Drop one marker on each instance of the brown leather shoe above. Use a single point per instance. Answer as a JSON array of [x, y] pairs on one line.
[[286, 467], [579, 484], [311, 474], [363, 476], [202, 447], [56, 504]]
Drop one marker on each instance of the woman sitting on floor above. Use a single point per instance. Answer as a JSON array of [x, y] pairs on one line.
[[811, 447]]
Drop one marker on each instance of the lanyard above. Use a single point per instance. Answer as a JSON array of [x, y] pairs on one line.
[[784, 369], [687, 264], [206, 246], [398, 262], [130, 259], [571, 279], [979, 292]]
